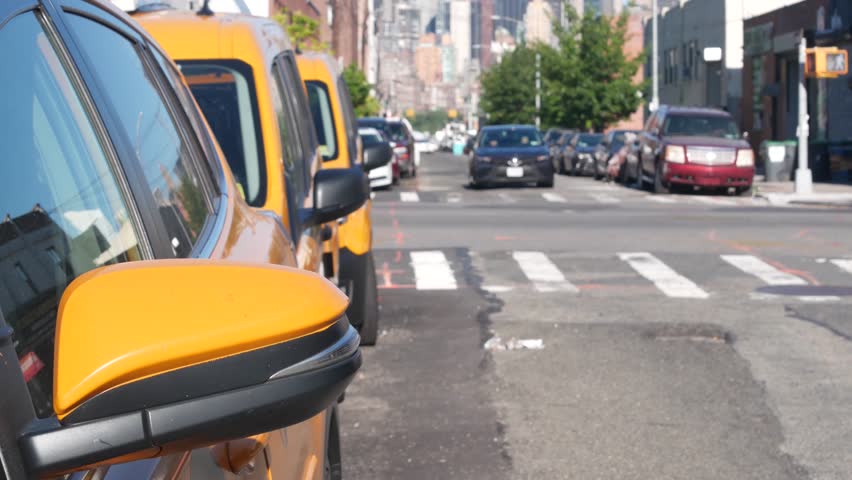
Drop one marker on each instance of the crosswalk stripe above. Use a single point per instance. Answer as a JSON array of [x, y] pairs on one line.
[[762, 270], [604, 198], [432, 271], [659, 199], [506, 197], [664, 277], [553, 197], [409, 196], [843, 264], [544, 275]]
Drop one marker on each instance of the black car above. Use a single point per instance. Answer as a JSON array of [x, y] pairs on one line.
[[401, 138], [612, 143], [580, 155], [558, 149], [502, 154]]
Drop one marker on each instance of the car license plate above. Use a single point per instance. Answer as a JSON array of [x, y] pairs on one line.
[[514, 172]]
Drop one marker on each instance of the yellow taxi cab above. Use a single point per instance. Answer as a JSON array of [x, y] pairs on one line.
[[242, 72], [340, 145], [152, 323]]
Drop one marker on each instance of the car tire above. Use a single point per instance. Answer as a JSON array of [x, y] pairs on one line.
[[574, 171], [546, 183], [659, 185], [623, 176], [561, 169], [363, 311]]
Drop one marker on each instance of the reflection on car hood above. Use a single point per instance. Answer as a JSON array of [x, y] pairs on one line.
[[511, 151], [707, 141]]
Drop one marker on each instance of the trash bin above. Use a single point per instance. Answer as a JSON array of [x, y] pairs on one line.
[[779, 159]]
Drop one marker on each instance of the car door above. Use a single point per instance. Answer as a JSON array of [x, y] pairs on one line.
[[306, 158], [649, 142]]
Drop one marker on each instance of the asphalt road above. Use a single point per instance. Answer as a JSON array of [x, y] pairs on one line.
[[592, 331]]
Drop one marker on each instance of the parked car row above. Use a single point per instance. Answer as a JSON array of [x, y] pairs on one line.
[[680, 147], [182, 217]]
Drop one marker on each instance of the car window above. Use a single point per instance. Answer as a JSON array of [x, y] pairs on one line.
[[323, 117], [225, 92], [61, 210], [510, 137], [349, 120], [147, 122], [295, 89], [701, 125], [589, 140], [371, 139]]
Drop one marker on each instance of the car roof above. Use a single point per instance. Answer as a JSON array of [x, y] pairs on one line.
[[318, 66], [221, 35], [510, 126], [682, 109]]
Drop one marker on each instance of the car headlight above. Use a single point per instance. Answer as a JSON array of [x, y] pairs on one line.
[[675, 154], [745, 158]]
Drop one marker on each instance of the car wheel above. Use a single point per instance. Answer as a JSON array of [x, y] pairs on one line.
[[574, 171], [744, 191], [598, 175], [623, 176], [561, 168], [546, 183], [363, 311], [472, 183], [659, 186], [333, 464], [412, 172]]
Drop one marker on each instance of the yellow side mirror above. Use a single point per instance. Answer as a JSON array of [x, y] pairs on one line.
[[159, 355]]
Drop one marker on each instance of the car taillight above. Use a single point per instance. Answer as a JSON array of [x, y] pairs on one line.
[[675, 154], [745, 158]]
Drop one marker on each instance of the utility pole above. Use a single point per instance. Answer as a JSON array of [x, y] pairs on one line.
[[804, 178], [537, 90], [655, 80]]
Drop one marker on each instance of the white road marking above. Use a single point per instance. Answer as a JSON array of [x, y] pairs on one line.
[[409, 196], [713, 200], [843, 264], [498, 288], [762, 270], [554, 197], [659, 199], [506, 197], [667, 280], [454, 197], [604, 198], [802, 298], [432, 271], [542, 272]]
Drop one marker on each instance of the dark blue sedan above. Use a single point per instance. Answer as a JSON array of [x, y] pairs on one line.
[[509, 154]]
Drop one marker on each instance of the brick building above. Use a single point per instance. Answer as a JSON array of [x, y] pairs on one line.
[[338, 20]]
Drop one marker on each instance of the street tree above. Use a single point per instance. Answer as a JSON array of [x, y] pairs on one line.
[[508, 88], [303, 30], [365, 104]]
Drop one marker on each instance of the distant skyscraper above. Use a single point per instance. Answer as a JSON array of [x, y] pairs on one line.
[[510, 14], [460, 34], [537, 22], [486, 33], [475, 30], [442, 17], [593, 5]]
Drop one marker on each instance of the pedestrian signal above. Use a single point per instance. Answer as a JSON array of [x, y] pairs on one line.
[[826, 62]]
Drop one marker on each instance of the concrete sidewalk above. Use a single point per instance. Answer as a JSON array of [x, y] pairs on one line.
[[824, 194]]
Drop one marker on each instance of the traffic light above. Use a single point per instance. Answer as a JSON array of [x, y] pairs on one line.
[[826, 62]]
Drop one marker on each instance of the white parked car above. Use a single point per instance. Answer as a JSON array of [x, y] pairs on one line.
[[387, 175]]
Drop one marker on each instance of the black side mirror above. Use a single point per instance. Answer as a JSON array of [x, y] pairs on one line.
[[337, 193], [377, 155]]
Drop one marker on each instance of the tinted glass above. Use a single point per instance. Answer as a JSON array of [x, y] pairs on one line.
[[323, 117], [700, 125], [146, 121], [370, 139], [225, 93], [589, 140], [349, 120], [284, 101], [510, 137], [395, 131], [61, 211]]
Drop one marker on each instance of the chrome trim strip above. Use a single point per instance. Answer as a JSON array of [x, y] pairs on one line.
[[212, 236], [345, 347]]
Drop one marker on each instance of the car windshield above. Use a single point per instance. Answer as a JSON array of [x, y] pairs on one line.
[[395, 131], [510, 137], [701, 126], [589, 140], [368, 139], [618, 140], [225, 92]]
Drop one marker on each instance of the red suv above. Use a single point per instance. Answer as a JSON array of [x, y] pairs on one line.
[[698, 147]]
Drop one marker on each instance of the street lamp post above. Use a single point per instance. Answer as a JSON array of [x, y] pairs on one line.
[[655, 80]]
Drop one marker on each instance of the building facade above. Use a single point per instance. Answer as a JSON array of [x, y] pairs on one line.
[[538, 23], [460, 33]]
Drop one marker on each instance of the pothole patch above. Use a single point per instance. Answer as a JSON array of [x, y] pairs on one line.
[[699, 333]]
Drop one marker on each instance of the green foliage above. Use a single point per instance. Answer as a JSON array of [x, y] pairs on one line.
[[303, 30], [508, 88], [430, 121], [587, 80], [365, 104]]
